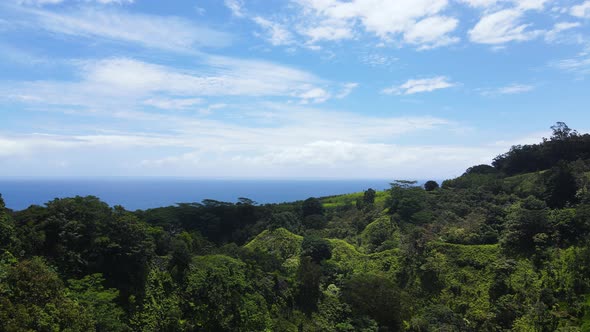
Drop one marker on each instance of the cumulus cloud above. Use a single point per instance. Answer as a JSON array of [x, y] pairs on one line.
[[519, 4], [582, 10], [417, 22], [413, 86], [432, 32]]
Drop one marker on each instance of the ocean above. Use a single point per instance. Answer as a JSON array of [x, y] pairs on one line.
[[144, 193]]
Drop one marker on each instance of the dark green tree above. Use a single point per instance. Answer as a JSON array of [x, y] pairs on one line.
[[308, 277], [369, 196], [375, 296], [527, 227], [35, 299], [561, 186], [312, 206], [430, 185], [7, 231], [314, 221], [99, 302], [287, 220], [316, 248]]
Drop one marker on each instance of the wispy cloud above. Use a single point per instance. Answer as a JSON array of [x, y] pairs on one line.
[[160, 32], [173, 103], [127, 81], [502, 27], [295, 139], [378, 60], [579, 65], [420, 85], [235, 6], [55, 2], [511, 89], [276, 33], [556, 33]]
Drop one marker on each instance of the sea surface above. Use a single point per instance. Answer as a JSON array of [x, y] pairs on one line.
[[144, 193]]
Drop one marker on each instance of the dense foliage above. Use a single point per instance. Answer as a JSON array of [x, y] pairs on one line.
[[502, 247]]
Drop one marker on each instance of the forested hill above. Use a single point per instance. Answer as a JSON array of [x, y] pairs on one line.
[[504, 247]]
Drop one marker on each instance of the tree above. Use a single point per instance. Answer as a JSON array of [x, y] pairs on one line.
[[314, 221], [7, 231], [160, 309], [286, 220], [430, 185], [220, 296], [312, 206], [316, 248], [561, 186], [369, 196], [37, 300], [99, 302], [376, 296], [527, 227], [308, 276], [481, 169], [561, 131], [406, 200]]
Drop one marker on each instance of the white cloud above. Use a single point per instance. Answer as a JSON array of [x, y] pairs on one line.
[[515, 89], [346, 90], [518, 4], [511, 89], [579, 65], [420, 85], [531, 4], [39, 2], [432, 32], [555, 34], [378, 60], [582, 10], [294, 139], [277, 33], [55, 2], [173, 103], [480, 3], [124, 81], [501, 27], [315, 95], [328, 30], [416, 22], [168, 33], [235, 6]]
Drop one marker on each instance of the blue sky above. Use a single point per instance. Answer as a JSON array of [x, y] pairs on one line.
[[284, 89]]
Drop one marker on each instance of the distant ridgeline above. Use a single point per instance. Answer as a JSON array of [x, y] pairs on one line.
[[501, 248]]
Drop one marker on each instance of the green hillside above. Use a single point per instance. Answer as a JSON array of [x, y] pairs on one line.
[[500, 248]]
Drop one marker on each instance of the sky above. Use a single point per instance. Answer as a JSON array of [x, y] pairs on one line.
[[257, 89]]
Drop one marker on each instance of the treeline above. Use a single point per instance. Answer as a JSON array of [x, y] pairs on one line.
[[565, 145], [492, 250]]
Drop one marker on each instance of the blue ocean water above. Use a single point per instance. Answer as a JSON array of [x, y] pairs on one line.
[[144, 193]]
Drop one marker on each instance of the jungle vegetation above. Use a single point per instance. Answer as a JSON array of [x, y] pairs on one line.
[[503, 247]]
